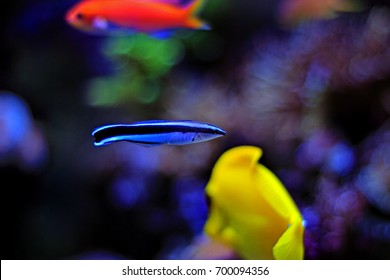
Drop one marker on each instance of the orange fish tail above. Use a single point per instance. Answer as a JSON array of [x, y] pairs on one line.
[[196, 23], [192, 21]]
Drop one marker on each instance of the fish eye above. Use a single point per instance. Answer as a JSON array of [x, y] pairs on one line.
[[79, 16]]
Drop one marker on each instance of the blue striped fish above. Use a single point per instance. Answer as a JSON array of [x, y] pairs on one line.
[[157, 132]]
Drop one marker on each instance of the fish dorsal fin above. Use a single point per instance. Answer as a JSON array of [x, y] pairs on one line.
[[269, 186], [290, 244], [173, 2], [242, 156]]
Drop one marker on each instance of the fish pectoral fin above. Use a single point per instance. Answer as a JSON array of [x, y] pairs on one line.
[[100, 23], [290, 244], [107, 27]]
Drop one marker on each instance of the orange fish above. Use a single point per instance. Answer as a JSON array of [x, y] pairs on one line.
[[154, 17], [293, 12]]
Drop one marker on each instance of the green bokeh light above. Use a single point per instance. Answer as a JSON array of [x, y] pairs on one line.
[[141, 63]]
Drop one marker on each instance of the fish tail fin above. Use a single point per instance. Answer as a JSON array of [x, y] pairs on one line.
[[194, 6], [290, 244], [190, 12]]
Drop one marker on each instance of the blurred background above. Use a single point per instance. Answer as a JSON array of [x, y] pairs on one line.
[[307, 84]]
